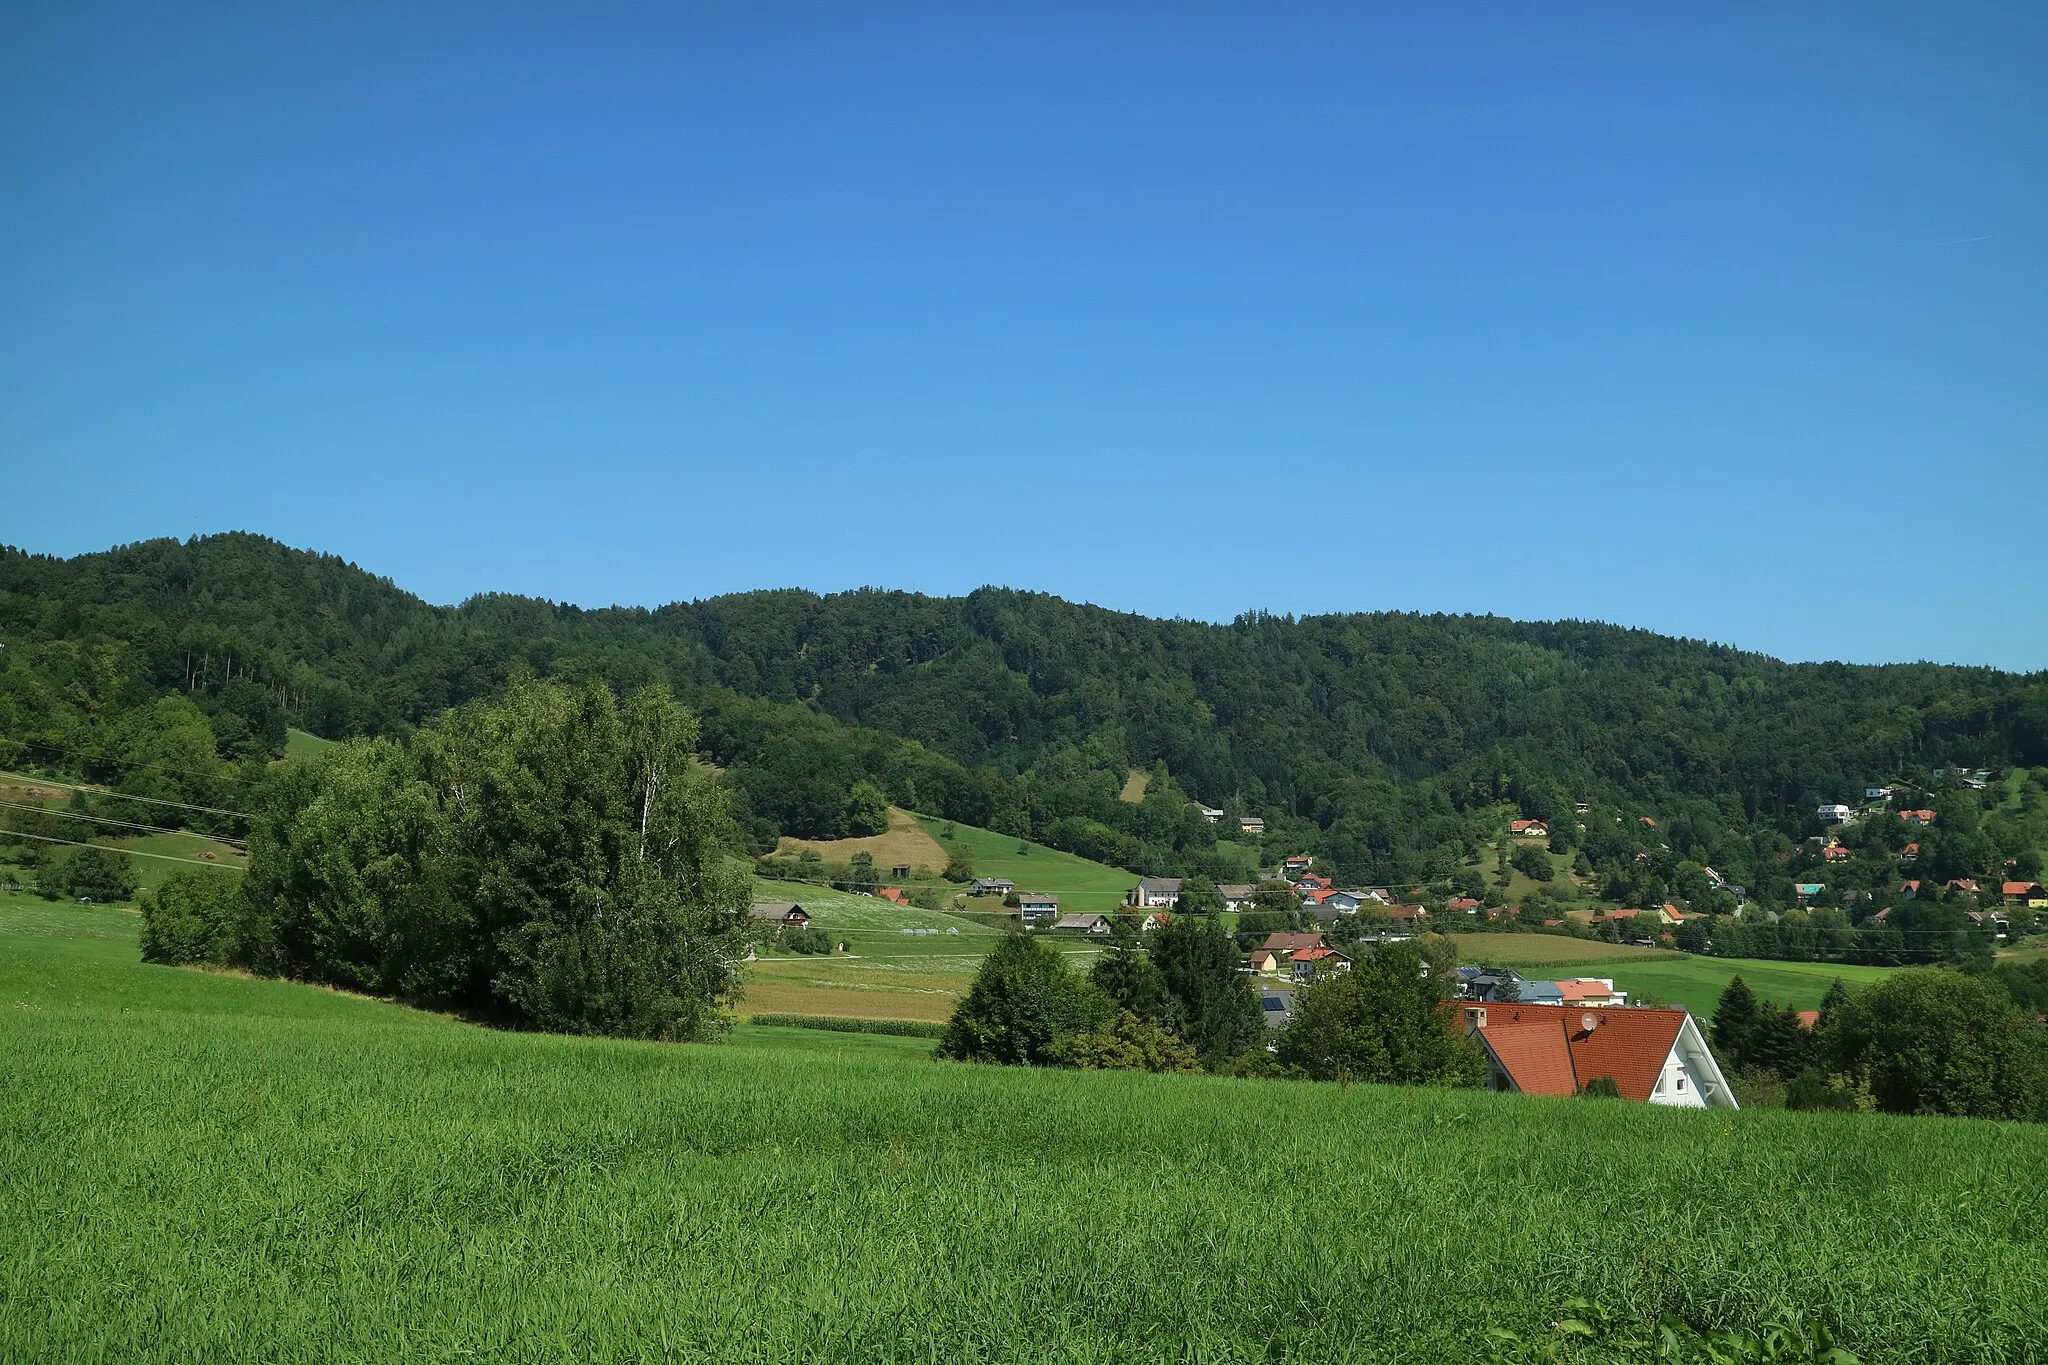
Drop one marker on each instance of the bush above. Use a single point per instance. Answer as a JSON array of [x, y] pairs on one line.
[[894, 1028], [95, 874], [807, 939], [1126, 1043], [194, 916], [1383, 1022], [1940, 1042], [1024, 999], [959, 863]]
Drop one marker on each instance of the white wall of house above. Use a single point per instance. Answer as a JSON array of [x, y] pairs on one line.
[[1691, 1079]]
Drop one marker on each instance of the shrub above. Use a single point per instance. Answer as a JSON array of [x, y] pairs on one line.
[[1024, 999], [194, 916], [92, 873], [1383, 1021], [1940, 1042], [1125, 1043]]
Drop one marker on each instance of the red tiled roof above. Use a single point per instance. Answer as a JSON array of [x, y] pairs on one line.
[[1961, 884], [1462, 903], [1917, 816], [2018, 888], [1293, 943], [1807, 1018], [1523, 826], [892, 893], [1648, 821], [1546, 1049], [1575, 989], [1315, 954]]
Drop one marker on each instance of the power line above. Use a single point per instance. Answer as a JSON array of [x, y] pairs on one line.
[[60, 814], [129, 852], [146, 800]]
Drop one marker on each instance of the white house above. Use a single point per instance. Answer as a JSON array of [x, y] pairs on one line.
[[1154, 893], [1834, 814], [1036, 907], [1083, 924], [1653, 1056], [1237, 895]]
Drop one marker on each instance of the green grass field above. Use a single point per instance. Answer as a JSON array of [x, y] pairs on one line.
[[303, 744], [1675, 978], [1083, 887], [198, 1167]]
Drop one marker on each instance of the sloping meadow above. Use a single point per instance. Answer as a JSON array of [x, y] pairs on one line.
[[200, 1167]]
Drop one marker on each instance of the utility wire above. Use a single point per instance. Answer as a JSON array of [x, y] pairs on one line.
[[59, 813], [124, 796], [130, 852]]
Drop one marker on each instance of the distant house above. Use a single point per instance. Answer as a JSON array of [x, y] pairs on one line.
[[1836, 853], [1918, 817], [786, 913], [991, 886], [1312, 964], [1154, 893], [1288, 944], [1808, 890], [1541, 993], [1529, 829], [1877, 793], [1296, 865], [1910, 853], [1237, 895], [1209, 813], [1337, 902], [2029, 894], [1646, 820], [1308, 884], [1961, 884], [1380, 894], [1251, 824], [1911, 888], [1653, 1056], [1158, 919], [1264, 960], [1461, 905], [1714, 879], [1277, 1006], [1485, 983], [1036, 907], [1583, 807], [1834, 814], [1595, 991], [1082, 924], [894, 893]]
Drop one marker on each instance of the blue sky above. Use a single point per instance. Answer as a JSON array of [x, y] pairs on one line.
[[1730, 322]]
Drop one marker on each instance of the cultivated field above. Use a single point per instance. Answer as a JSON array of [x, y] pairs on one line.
[[906, 843], [202, 1167]]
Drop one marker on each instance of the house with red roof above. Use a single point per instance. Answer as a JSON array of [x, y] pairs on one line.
[[894, 893], [1310, 964], [1961, 884], [2029, 894], [1461, 903], [1288, 944], [1529, 829], [1918, 817], [1653, 1056], [1836, 853], [1595, 991], [1910, 853]]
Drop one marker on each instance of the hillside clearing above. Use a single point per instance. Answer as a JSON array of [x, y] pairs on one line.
[[1083, 887], [905, 844], [1134, 786], [197, 1166]]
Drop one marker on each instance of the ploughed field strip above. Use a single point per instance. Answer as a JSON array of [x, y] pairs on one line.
[[203, 1167]]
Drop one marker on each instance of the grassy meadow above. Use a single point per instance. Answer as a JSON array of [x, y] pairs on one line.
[[1672, 977], [905, 844], [1082, 886], [200, 1167]]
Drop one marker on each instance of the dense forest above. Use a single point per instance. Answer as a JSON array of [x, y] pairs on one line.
[[1385, 743]]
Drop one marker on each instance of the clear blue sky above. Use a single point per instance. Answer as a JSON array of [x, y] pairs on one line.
[[1730, 322]]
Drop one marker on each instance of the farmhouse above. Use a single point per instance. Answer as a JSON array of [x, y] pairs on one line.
[[1311, 964], [1036, 907], [2029, 894], [1237, 895], [1461, 904], [1251, 824], [1288, 944], [786, 913], [1154, 893], [1919, 817], [991, 886], [1653, 1056], [1529, 829], [1082, 924]]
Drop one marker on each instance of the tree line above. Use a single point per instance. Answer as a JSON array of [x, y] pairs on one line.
[[1381, 742]]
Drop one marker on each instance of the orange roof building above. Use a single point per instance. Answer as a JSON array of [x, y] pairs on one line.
[[1654, 1056]]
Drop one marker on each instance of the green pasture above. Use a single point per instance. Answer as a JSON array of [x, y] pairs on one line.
[[1697, 982], [200, 1167], [840, 910], [303, 744], [1083, 887]]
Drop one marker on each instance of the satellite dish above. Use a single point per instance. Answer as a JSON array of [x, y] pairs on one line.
[[1587, 1022]]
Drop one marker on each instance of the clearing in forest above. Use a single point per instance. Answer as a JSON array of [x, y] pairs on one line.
[[905, 843], [1134, 787]]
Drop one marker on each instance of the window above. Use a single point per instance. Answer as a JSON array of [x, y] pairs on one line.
[[1681, 1084]]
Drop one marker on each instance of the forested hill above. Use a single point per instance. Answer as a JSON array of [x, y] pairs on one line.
[[1373, 734]]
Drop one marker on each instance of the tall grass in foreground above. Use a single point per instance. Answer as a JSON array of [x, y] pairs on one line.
[[198, 1167]]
